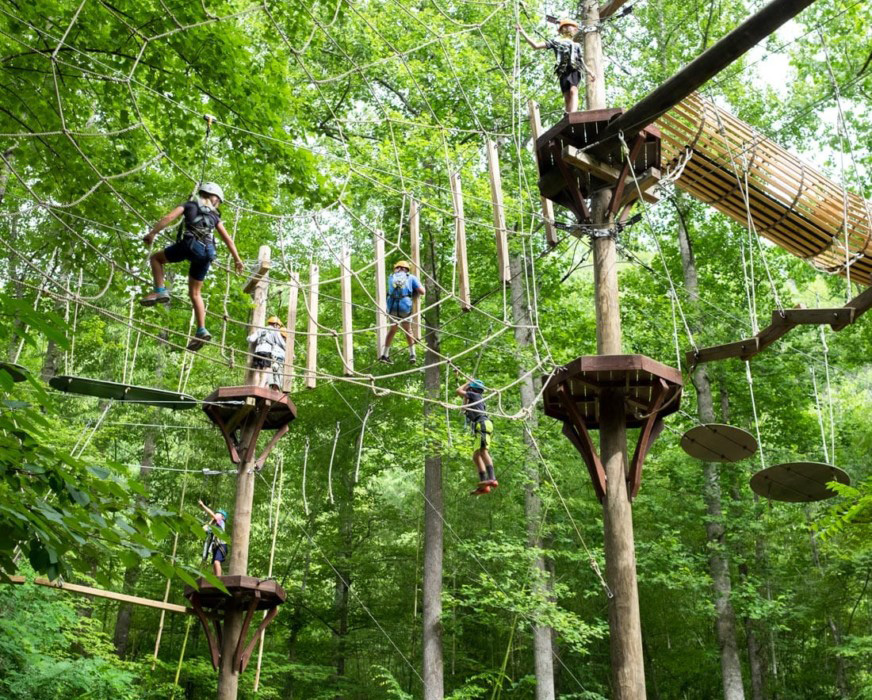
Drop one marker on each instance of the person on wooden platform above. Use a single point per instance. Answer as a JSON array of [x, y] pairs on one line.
[[403, 287], [269, 351], [482, 429], [215, 545], [570, 59], [195, 243]]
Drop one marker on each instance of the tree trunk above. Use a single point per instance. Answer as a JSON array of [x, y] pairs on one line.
[[433, 509], [343, 573], [719, 565], [756, 660], [121, 637], [542, 654]]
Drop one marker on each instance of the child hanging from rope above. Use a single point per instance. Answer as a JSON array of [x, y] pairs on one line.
[[482, 433], [570, 59], [195, 243], [214, 544], [403, 287], [269, 351]]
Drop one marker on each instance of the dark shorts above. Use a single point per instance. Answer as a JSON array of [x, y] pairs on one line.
[[399, 316], [569, 80], [482, 434], [219, 553], [200, 254]]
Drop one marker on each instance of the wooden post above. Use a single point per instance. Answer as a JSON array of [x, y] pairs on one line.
[[381, 293], [258, 286], [415, 249], [228, 673], [547, 206], [628, 670], [290, 353], [460, 244], [496, 187], [347, 329], [312, 335]]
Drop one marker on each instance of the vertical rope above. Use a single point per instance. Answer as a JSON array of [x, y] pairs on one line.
[[820, 415], [330, 468], [305, 463], [360, 443], [754, 410]]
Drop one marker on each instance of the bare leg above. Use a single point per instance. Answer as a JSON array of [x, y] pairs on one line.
[[157, 261], [194, 287], [216, 567], [570, 99], [392, 331], [407, 329]]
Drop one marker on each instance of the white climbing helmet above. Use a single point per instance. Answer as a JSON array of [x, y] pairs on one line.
[[212, 188]]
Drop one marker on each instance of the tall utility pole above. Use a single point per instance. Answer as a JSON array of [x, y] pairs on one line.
[[628, 668]]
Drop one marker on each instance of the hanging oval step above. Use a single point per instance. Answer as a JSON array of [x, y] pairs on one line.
[[716, 442], [798, 482], [17, 372], [122, 392]]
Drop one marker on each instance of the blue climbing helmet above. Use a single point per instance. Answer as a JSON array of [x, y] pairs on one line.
[[476, 384], [222, 513]]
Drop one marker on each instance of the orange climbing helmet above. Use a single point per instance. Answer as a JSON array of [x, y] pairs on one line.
[[403, 263]]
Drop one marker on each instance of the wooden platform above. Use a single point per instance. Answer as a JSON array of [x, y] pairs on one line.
[[648, 390], [235, 408], [568, 175], [245, 593], [128, 393]]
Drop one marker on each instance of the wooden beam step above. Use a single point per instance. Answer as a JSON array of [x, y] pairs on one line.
[[842, 315], [741, 348]]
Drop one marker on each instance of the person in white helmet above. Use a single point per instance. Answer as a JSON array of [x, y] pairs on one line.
[[196, 243]]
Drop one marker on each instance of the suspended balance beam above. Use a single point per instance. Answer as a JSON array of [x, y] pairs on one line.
[[705, 66], [101, 593]]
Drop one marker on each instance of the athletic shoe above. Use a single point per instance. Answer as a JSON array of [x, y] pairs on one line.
[[199, 340], [155, 298], [481, 490], [413, 360], [493, 483], [387, 360]]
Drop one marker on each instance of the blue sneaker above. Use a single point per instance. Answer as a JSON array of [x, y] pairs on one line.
[[199, 340], [161, 297]]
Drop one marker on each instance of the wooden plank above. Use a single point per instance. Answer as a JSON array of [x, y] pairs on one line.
[[258, 271], [842, 315], [460, 243], [312, 334], [500, 233], [585, 161], [347, 328], [547, 206], [290, 350], [415, 249], [647, 181], [381, 293], [741, 348], [101, 593], [779, 327], [860, 303]]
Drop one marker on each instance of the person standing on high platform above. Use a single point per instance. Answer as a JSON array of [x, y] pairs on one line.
[[570, 59]]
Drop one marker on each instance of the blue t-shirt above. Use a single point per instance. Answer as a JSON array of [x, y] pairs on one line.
[[400, 297]]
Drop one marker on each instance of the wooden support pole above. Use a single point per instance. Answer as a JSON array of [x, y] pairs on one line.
[[625, 628], [496, 187], [547, 206], [290, 352], [347, 328], [312, 334], [460, 243], [381, 293], [415, 249], [258, 287]]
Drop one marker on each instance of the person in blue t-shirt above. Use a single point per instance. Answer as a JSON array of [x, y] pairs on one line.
[[403, 287], [197, 245]]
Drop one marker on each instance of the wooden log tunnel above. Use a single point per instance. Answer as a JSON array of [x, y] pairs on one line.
[[575, 394], [244, 593]]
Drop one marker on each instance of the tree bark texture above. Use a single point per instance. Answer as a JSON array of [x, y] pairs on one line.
[[343, 568], [718, 560], [432, 661], [543, 659]]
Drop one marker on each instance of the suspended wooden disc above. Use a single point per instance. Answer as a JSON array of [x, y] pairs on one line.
[[797, 482], [715, 442], [122, 392], [17, 372]]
